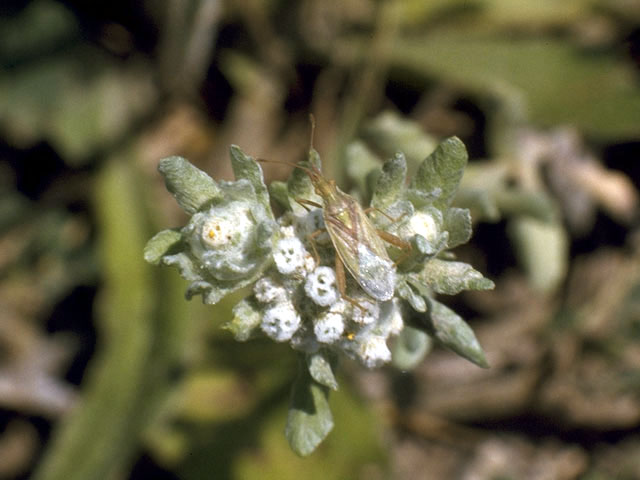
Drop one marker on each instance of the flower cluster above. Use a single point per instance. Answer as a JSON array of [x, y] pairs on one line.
[[297, 300], [298, 294], [233, 240]]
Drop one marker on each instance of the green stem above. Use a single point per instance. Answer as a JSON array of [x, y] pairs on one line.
[[137, 344]]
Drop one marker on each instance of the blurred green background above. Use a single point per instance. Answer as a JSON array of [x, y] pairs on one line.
[[107, 372]]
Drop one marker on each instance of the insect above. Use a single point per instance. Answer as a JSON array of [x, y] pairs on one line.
[[359, 245]]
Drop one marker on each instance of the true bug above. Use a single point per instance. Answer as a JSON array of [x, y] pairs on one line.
[[358, 244]]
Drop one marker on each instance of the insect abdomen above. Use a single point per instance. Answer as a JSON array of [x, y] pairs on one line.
[[377, 275]]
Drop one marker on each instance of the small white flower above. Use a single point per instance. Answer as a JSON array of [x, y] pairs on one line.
[[390, 320], [329, 327], [424, 223], [369, 312], [396, 322], [266, 290], [340, 307], [374, 352], [289, 255], [221, 227], [221, 240], [321, 286], [309, 263], [280, 322], [310, 222], [287, 231]]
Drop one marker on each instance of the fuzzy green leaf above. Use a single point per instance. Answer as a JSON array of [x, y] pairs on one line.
[[246, 319], [410, 348], [321, 365], [452, 277], [214, 290], [211, 289], [244, 166], [422, 250], [299, 184], [457, 221], [416, 301], [439, 175], [454, 333], [185, 265], [390, 182], [309, 420], [192, 188], [397, 216], [162, 243], [280, 193], [211, 293]]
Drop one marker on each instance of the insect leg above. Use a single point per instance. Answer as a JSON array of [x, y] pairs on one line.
[[341, 280], [311, 238], [389, 217], [304, 202], [398, 242]]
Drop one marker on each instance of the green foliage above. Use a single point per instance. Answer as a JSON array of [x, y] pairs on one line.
[[410, 348], [309, 420], [140, 346], [450, 278], [192, 188], [246, 319], [545, 79], [321, 367], [440, 173], [453, 332], [161, 243], [390, 182], [76, 97]]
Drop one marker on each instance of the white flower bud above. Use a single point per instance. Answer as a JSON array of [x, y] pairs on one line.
[[321, 286], [390, 321], [310, 222], [289, 255], [280, 322], [374, 352], [329, 327], [309, 263], [369, 312], [220, 229], [266, 290], [423, 223], [287, 231]]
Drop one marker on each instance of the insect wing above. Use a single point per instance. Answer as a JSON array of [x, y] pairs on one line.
[[362, 251]]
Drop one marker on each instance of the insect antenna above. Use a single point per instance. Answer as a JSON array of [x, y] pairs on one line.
[[314, 174], [312, 120]]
